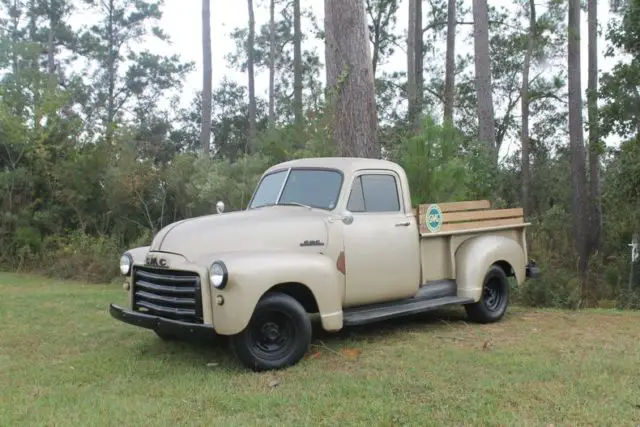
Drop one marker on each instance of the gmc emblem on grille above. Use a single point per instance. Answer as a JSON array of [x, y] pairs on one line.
[[154, 261]]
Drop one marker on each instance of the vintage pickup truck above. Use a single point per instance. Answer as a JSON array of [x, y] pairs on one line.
[[334, 237]]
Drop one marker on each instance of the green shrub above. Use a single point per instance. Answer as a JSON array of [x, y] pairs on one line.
[[79, 256]]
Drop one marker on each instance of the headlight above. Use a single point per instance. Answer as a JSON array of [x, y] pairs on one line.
[[125, 264], [218, 274]]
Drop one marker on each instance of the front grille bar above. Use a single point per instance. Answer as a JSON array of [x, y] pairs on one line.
[[172, 294]]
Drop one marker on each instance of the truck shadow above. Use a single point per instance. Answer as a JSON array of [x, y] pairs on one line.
[[215, 353], [436, 319]]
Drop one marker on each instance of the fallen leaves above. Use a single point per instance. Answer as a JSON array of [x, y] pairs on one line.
[[314, 355], [347, 353], [351, 353]]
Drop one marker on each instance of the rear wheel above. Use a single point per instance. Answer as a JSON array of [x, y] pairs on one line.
[[278, 334], [494, 299]]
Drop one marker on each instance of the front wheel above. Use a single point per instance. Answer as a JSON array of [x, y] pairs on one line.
[[494, 300], [278, 334]]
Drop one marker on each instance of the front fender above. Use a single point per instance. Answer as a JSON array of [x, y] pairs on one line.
[[476, 255], [138, 254], [251, 275]]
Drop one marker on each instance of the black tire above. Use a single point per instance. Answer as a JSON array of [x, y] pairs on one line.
[[494, 300], [277, 336]]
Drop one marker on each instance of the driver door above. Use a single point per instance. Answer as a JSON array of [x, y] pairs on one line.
[[381, 244]]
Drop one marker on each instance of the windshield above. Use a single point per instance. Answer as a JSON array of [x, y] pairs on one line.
[[317, 188]]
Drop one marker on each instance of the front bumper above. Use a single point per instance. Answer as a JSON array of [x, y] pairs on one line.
[[532, 269], [160, 324]]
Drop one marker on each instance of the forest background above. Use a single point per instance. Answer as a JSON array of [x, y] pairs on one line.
[[110, 131]]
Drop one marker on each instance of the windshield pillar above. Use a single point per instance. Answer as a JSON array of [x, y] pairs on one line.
[[284, 182]]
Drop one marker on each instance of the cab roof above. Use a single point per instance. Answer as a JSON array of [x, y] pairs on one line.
[[345, 164]]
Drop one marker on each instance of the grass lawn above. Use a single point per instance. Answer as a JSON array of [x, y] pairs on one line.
[[65, 361]]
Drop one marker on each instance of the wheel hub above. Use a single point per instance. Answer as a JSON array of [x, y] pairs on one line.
[[271, 331], [492, 298], [272, 334]]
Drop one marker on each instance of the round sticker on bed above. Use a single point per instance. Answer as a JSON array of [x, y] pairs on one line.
[[433, 218]]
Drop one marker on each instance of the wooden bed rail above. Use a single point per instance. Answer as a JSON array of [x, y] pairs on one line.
[[455, 216]]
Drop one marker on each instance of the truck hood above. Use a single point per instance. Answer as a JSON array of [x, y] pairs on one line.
[[267, 228]]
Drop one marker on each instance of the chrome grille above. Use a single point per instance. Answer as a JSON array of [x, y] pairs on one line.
[[171, 294]]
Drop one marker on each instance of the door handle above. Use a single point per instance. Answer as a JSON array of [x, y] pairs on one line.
[[403, 224]]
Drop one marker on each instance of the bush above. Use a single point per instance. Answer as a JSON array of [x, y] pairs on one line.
[[79, 256], [554, 288]]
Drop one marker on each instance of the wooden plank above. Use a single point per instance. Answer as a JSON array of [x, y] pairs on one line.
[[475, 230], [469, 205], [456, 226], [482, 215]]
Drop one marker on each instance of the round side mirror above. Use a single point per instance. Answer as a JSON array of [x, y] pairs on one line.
[[220, 206]]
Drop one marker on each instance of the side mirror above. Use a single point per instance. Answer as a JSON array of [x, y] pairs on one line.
[[220, 206]]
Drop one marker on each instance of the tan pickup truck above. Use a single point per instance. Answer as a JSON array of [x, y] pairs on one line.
[[337, 237]]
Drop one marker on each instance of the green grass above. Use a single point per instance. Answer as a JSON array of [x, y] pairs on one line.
[[65, 362]]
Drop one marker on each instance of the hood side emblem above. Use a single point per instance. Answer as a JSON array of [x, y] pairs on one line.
[[312, 243]]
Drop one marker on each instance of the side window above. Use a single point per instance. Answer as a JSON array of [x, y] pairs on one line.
[[356, 198], [374, 193]]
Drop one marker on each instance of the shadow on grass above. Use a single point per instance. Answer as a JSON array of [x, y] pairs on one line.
[[436, 319], [216, 352], [187, 352]]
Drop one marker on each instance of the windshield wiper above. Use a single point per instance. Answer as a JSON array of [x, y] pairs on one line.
[[294, 204], [284, 204]]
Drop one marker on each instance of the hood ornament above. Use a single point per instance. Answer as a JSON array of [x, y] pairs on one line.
[[220, 206]]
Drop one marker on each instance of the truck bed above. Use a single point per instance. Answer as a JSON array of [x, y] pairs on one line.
[[444, 227]]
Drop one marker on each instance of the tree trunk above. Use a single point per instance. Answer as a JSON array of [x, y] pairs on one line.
[[33, 29], [272, 63], [578, 175], [594, 143], [419, 64], [252, 84], [350, 79], [486, 124], [111, 74], [635, 261], [411, 62], [205, 129], [524, 98], [450, 72], [35, 66], [54, 22], [14, 12], [376, 18], [51, 63], [297, 64]]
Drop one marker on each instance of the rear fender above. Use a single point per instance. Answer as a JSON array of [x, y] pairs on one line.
[[251, 275], [476, 255]]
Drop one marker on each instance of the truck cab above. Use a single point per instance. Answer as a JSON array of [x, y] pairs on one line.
[[336, 237]]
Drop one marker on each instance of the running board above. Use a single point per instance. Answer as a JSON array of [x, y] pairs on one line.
[[378, 312]]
